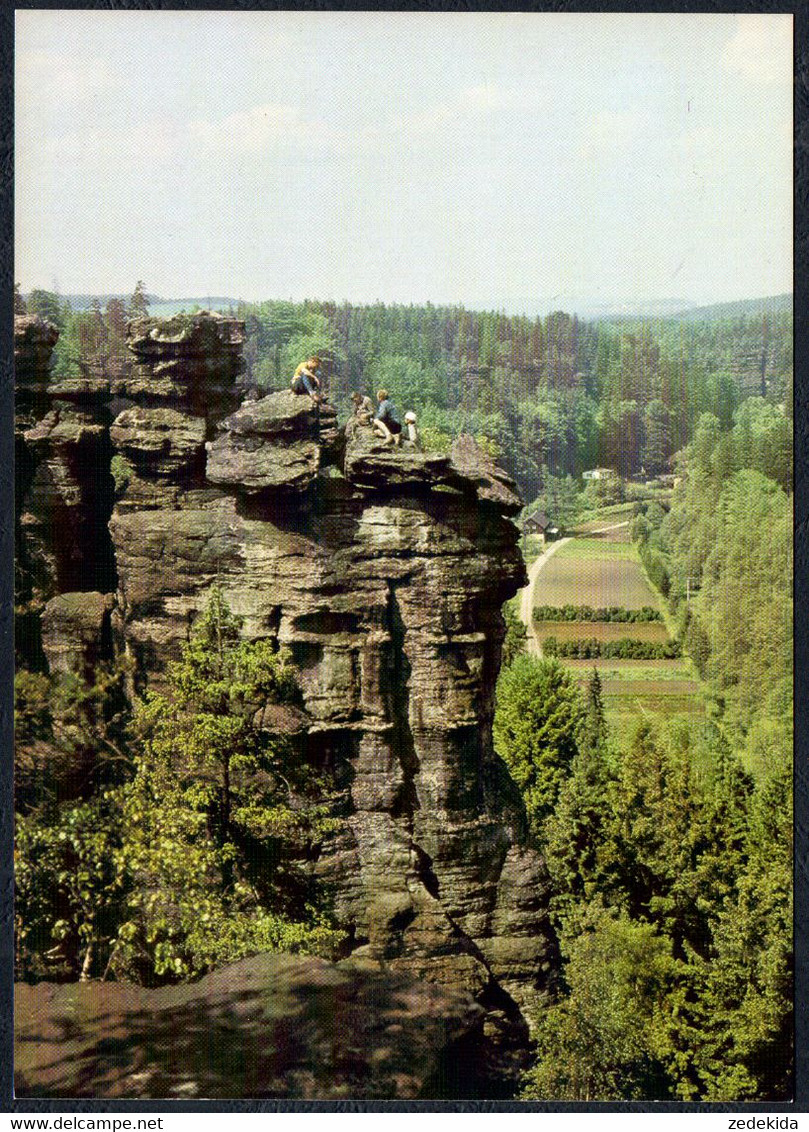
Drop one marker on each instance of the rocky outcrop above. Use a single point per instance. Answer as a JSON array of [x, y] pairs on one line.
[[193, 360], [161, 438], [34, 340], [276, 443], [371, 462], [76, 633], [491, 483], [64, 489], [383, 570], [278, 1026], [386, 585]]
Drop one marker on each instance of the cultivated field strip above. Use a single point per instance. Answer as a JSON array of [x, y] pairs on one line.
[[602, 630], [601, 568]]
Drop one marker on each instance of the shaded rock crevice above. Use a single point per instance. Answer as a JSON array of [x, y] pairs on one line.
[[64, 488]]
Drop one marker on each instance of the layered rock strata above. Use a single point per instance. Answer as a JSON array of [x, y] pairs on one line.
[[383, 571], [64, 487], [274, 444]]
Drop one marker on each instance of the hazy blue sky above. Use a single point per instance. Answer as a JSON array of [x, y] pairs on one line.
[[499, 160]]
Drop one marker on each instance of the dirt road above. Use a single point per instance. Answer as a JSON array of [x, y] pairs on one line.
[[527, 595]]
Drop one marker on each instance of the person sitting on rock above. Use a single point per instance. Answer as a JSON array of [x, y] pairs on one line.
[[413, 438], [306, 380], [363, 407], [386, 423]]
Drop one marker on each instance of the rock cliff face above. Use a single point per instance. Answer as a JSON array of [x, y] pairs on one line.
[[383, 571], [64, 487]]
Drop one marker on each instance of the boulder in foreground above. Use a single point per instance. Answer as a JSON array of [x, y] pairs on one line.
[[274, 1025]]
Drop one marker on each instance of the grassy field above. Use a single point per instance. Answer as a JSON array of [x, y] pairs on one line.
[[638, 689], [611, 669], [605, 517], [587, 571], [603, 570], [602, 630], [600, 548]]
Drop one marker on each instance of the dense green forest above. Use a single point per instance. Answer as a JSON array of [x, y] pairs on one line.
[[190, 847], [669, 845], [556, 395]]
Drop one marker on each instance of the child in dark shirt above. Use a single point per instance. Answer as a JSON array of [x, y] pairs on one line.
[[386, 423]]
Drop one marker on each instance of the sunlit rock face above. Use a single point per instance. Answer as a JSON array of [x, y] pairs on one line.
[[383, 570], [276, 444]]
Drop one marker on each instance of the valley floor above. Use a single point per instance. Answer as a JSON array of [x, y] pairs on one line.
[[599, 566]]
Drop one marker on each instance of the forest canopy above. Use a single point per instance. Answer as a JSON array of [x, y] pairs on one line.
[[557, 395]]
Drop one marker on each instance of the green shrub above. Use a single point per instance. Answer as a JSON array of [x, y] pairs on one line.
[[626, 648], [587, 613], [32, 709], [122, 472], [516, 635]]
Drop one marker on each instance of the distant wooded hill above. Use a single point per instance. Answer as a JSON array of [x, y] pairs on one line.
[[674, 309], [554, 395], [744, 308], [157, 305], [678, 310]]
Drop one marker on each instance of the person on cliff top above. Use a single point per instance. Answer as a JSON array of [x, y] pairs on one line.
[[363, 407], [306, 379], [413, 438], [386, 423]]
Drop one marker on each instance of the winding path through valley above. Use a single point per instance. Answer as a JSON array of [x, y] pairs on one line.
[[527, 593]]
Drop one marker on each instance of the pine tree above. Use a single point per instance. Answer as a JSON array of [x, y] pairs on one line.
[[48, 306], [139, 303], [539, 712], [594, 727], [221, 814], [744, 1006]]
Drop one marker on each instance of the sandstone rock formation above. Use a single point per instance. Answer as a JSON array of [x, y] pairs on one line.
[[278, 1026], [384, 572], [191, 359], [272, 444], [34, 340], [74, 628], [64, 487]]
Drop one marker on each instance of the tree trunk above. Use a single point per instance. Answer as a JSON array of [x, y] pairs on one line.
[[88, 963]]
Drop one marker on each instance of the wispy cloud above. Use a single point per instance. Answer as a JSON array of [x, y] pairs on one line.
[[143, 144], [51, 75], [471, 103], [245, 133], [760, 49], [742, 146]]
